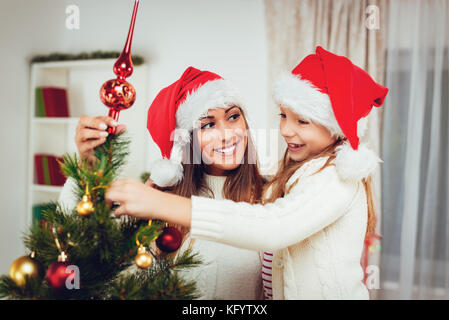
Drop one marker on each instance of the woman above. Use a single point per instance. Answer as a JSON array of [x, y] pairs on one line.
[[199, 124]]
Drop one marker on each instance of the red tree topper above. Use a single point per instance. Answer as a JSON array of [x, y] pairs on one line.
[[118, 94]]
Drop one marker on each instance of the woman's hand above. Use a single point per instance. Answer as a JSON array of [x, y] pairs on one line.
[[91, 132], [135, 198]]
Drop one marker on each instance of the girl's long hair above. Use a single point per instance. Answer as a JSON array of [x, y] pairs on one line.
[[242, 184], [288, 167]]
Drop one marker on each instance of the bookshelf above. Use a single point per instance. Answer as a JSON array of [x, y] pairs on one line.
[[82, 79]]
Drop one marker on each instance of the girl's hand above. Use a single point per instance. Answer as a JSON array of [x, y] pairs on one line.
[[144, 202], [135, 198], [91, 132], [150, 183]]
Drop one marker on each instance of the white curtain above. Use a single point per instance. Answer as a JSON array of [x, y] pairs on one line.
[[353, 28], [415, 228]]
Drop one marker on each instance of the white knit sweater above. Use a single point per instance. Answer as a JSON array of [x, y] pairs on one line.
[[227, 273], [316, 232]]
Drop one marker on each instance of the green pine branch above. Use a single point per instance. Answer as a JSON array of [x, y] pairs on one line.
[[160, 282]]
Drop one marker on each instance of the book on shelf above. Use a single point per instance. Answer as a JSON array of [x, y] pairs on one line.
[[51, 102], [37, 212], [47, 170]]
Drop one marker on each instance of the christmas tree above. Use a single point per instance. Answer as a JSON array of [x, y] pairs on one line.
[[87, 253]]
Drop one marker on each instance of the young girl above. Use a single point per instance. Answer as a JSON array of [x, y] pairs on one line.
[[202, 114], [318, 208]]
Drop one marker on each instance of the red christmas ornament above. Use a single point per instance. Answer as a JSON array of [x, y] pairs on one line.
[[118, 94], [169, 240], [57, 273]]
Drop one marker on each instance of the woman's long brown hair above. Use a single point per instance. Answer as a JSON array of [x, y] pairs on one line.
[[288, 167]]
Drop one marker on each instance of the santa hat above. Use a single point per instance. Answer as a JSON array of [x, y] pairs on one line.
[[329, 90], [174, 112]]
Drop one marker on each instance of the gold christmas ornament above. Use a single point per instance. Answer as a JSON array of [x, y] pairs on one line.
[[143, 259], [85, 207], [22, 267]]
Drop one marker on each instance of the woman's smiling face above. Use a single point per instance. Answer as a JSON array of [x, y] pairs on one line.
[[304, 138], [222, 137]]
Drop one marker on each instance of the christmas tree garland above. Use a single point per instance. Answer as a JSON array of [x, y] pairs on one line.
[[56, 56]]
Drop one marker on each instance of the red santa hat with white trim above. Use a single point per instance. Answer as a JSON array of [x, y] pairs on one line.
[[174, 113], [330, 90]]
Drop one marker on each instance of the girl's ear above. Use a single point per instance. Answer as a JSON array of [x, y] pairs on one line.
[[355, 164]]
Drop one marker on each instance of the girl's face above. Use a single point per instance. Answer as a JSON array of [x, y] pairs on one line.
[[222, 137], [304, 138]]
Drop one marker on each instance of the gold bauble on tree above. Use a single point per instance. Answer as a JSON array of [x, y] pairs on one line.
[[85, 207], [143, 259], [24, 266]]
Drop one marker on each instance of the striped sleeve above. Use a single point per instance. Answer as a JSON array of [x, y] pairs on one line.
[[267, 275]]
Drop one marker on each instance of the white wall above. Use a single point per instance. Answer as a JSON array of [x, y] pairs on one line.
[[227, 37]]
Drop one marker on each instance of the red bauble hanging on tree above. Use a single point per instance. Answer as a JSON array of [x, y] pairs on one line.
[[57, 273], [169, 240]]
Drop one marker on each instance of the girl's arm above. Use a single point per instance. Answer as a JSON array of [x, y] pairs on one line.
[[144, 202], [174, 209], [314, 203]]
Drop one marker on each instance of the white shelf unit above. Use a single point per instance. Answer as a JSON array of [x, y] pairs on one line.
[[82, 80]]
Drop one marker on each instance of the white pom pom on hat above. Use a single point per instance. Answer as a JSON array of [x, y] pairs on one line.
[[355, 164], [165, 172]]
